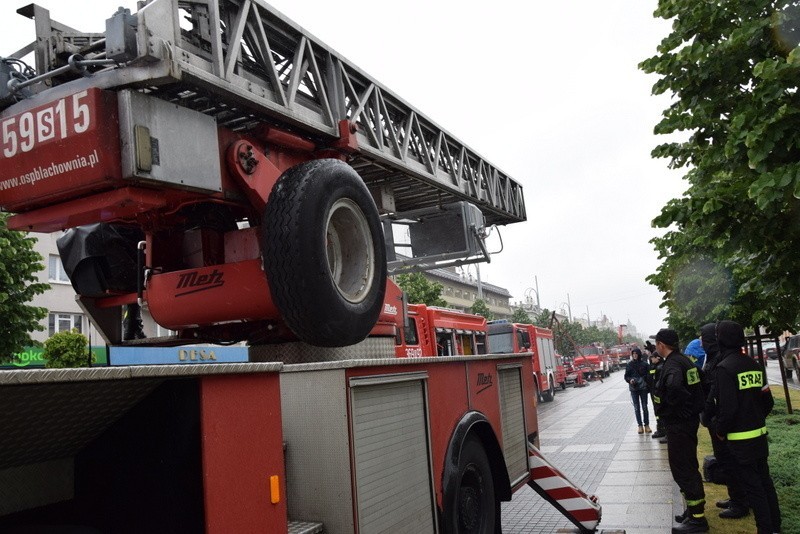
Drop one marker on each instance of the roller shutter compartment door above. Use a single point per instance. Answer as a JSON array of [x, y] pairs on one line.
[[513, 421], [391, 457]]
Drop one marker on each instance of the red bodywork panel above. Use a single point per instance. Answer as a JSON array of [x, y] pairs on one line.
[[242, 444], [102, 207], [78, 135], [219, 293]]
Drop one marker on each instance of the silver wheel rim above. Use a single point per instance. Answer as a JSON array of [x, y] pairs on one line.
[[348, 246]]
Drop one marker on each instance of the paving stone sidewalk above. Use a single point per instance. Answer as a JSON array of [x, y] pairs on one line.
[[590, 434]]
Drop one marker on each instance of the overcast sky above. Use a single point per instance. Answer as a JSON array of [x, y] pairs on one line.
[[549, 92]]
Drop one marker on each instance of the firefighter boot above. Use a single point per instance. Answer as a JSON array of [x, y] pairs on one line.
[[682, 517], [659, 433], [691, 525], [132, 327], [695, 518], [734, 511]]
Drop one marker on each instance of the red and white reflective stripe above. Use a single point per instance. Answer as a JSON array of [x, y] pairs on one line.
[[558, 490]]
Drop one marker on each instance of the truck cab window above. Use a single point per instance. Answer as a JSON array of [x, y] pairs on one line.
[[410, 332], [524, 340]]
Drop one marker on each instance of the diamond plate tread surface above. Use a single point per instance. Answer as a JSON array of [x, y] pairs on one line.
[[42, 376], [393, 361], [305, 527], [299, 352], [45, 421]]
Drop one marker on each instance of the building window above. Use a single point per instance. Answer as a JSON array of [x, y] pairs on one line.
[[64, 322], [55, 272]]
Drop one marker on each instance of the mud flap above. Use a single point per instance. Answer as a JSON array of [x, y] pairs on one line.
[[554, 487]]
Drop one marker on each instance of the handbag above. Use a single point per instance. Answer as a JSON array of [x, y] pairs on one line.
[[638, 384]]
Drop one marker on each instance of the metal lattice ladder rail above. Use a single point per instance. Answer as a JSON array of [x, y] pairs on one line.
[[260, 65]]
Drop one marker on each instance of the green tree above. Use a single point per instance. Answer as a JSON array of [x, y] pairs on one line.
[[564, 333], [420, 290], [732, 69], [67, 349], [19, 264], [521, 316], [479, 307], [543, 318]]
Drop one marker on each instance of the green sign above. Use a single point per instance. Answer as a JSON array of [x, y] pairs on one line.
[[32, 357]]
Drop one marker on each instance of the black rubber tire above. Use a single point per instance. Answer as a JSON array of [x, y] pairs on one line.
[[475, 507], [547, 396], [318, 211], [788, 373]]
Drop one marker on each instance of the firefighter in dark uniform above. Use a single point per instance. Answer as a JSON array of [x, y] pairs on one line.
[[743, 401], [680, 400], [735, 506], [653, 373]]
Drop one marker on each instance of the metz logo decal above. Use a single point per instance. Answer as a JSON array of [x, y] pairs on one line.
[[194, 283], [484, 382]]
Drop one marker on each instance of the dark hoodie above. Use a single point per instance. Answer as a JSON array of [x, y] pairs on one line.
[[636, 370], [708, 336], [742, 396]]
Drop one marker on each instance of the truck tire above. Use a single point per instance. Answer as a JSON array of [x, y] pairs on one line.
[[474, 506], [323, 252], [547, 396]]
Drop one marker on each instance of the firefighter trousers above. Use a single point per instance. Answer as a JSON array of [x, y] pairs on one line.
[[756, 481], [682, 454], [727, 466]]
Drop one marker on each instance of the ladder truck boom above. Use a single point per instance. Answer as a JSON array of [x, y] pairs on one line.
[[260, 66], [196, 146]]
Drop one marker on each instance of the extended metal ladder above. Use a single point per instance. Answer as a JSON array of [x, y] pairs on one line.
[[243, 62]]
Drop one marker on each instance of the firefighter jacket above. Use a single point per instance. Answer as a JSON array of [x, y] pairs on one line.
[[743, 401], [678, 392], [653, 374], [709, 336]]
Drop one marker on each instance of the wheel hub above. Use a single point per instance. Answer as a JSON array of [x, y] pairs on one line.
[[349, 250]]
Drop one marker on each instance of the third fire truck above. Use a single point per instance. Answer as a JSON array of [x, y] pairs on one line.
[[549, 374]]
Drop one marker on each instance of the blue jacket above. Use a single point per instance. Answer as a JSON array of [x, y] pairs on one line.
[[694, 350]]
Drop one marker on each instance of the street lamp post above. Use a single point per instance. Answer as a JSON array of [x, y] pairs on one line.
[[528, 299]]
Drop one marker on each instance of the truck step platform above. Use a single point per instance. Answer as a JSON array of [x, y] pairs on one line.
[[305, 527], [554, 487]]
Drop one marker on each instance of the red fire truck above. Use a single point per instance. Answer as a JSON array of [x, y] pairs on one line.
[[623, 352], [592, 361], [506, 337], [219, 166], [433, 331]]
